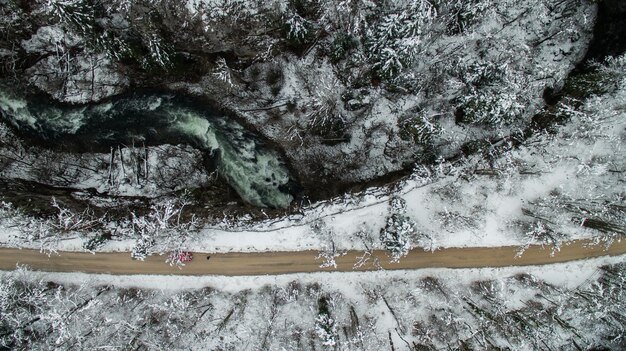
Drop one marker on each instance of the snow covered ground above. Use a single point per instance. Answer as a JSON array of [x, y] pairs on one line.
[[521, 308]]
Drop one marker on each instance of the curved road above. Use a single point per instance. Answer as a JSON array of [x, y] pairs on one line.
[[300, 261]]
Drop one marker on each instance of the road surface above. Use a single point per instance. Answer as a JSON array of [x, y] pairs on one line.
[[233, 264]]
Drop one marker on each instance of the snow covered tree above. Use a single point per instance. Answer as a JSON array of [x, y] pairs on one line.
[[70, 221], [462, 14], [20, 304], [159, 54], [398, 229], [489, 106], [15, 27], [141, 249], [329, 252], [163, 229], [78, 15], [326, 104], [540, 232], [222, 72], [297, 28], [325, 326], [493, 96], [393, 41], [420, 128]]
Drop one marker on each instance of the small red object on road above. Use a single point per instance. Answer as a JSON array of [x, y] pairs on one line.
[[185, 256], [179, 258]]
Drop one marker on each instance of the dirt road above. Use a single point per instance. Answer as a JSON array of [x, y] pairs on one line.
[[301, 261]]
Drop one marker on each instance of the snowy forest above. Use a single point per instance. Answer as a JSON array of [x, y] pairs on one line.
[[448, 310], [165, 127]]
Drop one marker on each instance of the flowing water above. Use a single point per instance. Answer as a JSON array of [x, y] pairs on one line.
[[255, 171]]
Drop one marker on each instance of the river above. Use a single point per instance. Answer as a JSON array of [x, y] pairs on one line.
[[254, 170]]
